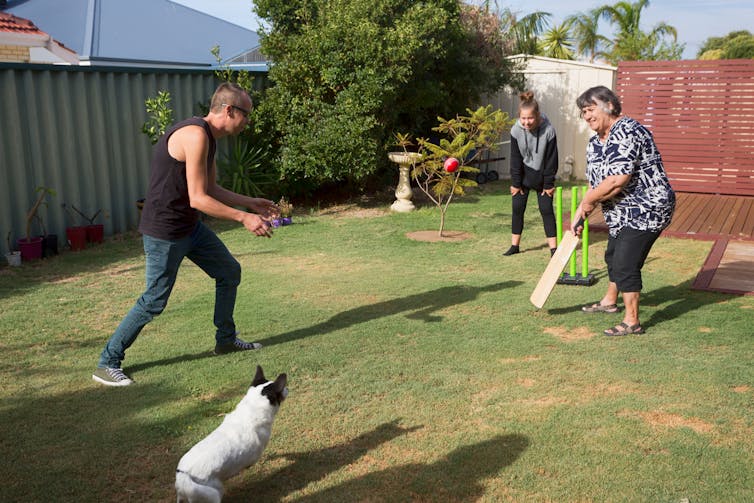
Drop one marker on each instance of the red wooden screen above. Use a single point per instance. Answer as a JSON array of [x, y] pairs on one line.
[[701, 114]]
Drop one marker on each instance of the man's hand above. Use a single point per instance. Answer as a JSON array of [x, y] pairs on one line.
[[516, 190], [549, 192], [265, 208], [256, 224]]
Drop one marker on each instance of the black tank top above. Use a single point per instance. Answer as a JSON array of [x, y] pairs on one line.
[[167, 212]]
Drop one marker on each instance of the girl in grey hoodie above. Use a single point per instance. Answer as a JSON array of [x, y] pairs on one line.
[[534, 164]]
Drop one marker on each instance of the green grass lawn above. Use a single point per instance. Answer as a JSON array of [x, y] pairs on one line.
[[417, 371]]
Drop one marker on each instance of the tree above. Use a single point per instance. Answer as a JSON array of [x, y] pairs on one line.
[[523, 33], [465, 138], [633, 44], [348, 73], [557, 42], [741, 47], [734, 45], [585, 31]]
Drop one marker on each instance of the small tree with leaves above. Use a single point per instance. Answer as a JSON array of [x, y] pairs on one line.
[[466, 139], [160, 116]]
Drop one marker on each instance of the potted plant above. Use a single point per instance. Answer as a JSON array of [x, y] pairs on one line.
[[31, 247], [95, 233], [286, 212], [49, 241], [13, 257], [75, 234]]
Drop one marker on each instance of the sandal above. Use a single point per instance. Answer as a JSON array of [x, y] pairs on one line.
[[599, 308], [624, 328]]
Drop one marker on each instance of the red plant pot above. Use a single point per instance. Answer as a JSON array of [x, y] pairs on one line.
[[76, 238], [95, 233], [31, 249]]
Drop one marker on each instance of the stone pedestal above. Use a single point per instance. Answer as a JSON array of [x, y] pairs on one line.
[[403, 192]]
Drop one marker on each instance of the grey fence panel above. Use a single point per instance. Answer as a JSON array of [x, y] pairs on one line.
[[77, 130]]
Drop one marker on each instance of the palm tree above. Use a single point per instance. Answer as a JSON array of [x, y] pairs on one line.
[[585, 32], [522, 34], [557, 42], [631, 43]]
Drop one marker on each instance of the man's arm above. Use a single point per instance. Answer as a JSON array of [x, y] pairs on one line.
[[264, 207], [191, 145]]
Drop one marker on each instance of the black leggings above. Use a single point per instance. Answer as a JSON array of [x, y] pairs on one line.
[[545, 209]]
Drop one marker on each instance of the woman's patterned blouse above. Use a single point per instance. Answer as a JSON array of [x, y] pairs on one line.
[[647, 201]]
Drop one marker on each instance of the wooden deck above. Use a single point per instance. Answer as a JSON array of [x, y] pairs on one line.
[[729, 268], [726, 220], [707, 217]]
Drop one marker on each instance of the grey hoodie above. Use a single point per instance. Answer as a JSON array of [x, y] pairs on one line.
[[534, 156]]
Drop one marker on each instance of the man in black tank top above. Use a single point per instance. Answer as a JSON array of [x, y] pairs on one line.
[[183, 184]]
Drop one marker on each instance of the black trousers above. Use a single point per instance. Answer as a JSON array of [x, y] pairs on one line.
[[625, 256], [545, 209]]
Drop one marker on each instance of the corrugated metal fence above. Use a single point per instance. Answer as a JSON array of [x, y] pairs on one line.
[[77, 130], [701, 114]]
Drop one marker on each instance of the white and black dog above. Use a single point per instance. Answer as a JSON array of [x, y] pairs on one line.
[[234, 445]]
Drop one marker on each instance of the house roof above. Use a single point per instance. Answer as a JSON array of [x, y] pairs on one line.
[[12, 24], [117, 32], [18, 31]]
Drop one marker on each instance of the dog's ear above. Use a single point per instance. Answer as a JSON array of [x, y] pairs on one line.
[[280, 383], [259, 377], [276, 391]]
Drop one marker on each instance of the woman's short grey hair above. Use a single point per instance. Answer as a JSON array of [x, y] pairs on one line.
[[599, 96]]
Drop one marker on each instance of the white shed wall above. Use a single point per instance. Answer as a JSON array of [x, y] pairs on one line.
[[556, 85]]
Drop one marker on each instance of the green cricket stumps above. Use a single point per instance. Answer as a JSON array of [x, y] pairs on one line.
[[574, 207], [572, 277], [558, 214], [584, 242]]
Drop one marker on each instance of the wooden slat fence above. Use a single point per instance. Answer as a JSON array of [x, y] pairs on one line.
[[701, 114]]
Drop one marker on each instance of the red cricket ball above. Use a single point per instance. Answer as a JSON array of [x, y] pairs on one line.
[[451, 164]]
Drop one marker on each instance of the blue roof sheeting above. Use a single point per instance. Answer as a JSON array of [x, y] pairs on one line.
[[118, 31]]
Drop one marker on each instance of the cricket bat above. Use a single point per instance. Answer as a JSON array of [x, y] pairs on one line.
[[557, 263]]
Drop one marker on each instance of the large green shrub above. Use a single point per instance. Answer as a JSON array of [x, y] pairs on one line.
[[348, 73]]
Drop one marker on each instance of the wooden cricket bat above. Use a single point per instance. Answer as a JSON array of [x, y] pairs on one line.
[[557, 263]]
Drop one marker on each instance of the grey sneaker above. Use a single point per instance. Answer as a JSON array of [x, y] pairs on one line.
[[236, 345], [111, 377]]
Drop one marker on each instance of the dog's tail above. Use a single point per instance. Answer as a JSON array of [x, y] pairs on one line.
[[190, 490]]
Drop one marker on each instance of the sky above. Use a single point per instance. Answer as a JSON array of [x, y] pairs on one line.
[[695, 20]]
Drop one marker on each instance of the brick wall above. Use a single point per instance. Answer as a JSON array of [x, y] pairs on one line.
[[14, 53]]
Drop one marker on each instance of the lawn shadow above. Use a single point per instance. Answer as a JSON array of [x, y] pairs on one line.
[[188, 357], [91, 443], [681, 299], [305, 468], [417, 307], [420, 306], [459, 476]]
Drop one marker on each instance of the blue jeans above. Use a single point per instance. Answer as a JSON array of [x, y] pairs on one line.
[[163, 259]]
